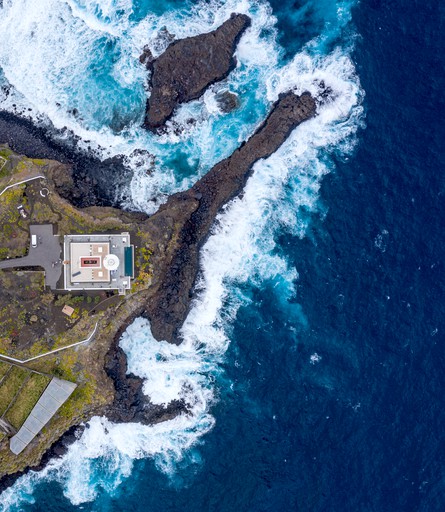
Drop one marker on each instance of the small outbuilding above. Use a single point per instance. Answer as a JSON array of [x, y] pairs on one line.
[[68, 310]]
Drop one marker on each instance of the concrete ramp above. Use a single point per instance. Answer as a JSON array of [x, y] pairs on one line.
[[55, 395]]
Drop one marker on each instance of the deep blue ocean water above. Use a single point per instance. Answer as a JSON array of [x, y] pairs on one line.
[[360, 426]]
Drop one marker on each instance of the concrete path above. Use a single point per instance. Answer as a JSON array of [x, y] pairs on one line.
[[54, 396], [47, 254], [24, 361], [20, 182]]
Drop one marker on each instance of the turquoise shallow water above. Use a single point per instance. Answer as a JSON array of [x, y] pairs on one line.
[[314, 356]]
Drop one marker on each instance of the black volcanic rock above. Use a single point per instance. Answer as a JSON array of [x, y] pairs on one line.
[[189, 66], [227, 101], [57, 450], [186, 218], [130, 404], [147, 57], [91, 176]]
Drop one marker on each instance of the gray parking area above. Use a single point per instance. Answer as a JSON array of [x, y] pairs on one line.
[[46, 254], [55, 395]]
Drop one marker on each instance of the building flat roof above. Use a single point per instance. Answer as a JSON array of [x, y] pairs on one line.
[[98, 262], [87, 262]]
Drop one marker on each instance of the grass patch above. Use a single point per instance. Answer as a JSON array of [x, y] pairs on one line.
[[5, 152], [3, 170], [10, 386], [27, 399], [4, 367]]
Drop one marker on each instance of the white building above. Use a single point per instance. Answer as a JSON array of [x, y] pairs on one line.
[[98, 262]]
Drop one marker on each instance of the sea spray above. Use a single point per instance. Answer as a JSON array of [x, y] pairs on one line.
[[241, 249], [90, 81]]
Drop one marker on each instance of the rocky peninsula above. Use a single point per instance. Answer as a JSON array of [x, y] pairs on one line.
[[167, 246], [186, 218]]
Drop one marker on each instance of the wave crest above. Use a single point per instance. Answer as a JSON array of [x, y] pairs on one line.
[[242, 250]]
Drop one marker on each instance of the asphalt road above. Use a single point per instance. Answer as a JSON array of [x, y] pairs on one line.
[[47, 254]]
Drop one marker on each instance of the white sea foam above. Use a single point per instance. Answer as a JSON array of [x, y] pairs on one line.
[[45, 76], [67, 69], [104, 455], [242, 247]]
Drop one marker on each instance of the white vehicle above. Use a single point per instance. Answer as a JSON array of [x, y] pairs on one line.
[[34, 241]]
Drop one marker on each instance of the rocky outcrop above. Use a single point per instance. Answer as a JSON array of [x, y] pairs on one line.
[[189, 66], [91, 176], [185, 220], [130, 404], [227, 101]]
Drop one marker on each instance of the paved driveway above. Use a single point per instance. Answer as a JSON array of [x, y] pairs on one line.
[[47, 254]]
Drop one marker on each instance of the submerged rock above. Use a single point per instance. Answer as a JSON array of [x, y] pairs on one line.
[[147, 57], [162, 40], [227, 101], [189, 66]]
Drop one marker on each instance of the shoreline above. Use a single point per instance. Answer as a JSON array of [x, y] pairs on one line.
[[174, 236], [90, 174]]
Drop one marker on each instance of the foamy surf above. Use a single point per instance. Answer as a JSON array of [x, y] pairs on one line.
[[57, 79], [241, 249]]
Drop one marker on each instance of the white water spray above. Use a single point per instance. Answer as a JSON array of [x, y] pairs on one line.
[[242, 246]]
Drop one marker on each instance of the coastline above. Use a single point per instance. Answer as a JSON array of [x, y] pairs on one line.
[[177, 230], [91, 175], [167, 244]]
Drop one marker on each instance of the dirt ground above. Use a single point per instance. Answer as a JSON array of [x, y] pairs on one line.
[[31, 318], [29, 314]]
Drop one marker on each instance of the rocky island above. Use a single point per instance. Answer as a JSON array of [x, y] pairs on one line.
[[35, 192], [204, 60]]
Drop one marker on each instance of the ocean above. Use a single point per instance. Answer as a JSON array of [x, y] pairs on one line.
[[313, 357]]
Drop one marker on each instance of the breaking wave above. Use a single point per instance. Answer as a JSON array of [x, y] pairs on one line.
[[242, 247]]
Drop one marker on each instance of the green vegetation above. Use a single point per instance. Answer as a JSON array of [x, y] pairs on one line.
[[3, 169], [26, 399], [71, 365], [144, 270], [31, 318], [22, 305], [5, 152], [70, 300], [12, 164], [54, 209], [39, 161], [14, 229], [4, 367], [11, 385]]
